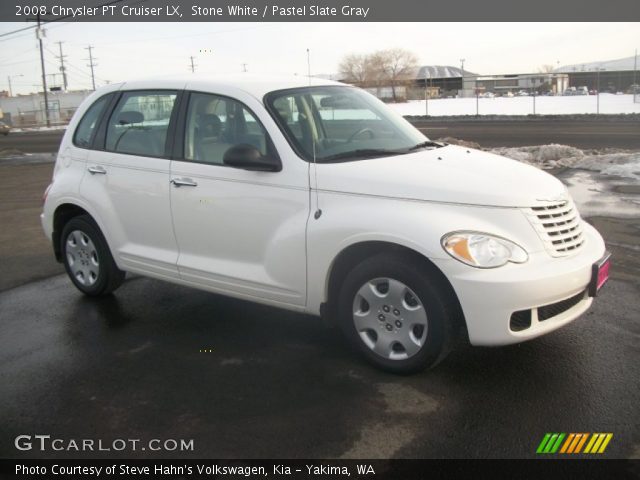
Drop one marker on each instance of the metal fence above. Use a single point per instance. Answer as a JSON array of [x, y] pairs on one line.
[[38, 118]]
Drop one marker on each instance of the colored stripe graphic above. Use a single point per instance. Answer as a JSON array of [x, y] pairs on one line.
[[550, 443], [572, 443], [567, 442], [543, 442], [581, 443]]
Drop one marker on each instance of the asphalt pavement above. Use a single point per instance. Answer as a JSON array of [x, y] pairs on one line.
[[585, 134], [160, 361]]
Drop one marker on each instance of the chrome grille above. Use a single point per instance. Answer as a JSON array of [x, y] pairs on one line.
[[559, 227]]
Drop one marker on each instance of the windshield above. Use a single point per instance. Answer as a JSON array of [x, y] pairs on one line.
[[338, 123]]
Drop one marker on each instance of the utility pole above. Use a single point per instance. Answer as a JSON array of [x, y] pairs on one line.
[[462, 66], [63, 70], [91, 65], [193, 65], [40, 34], [244, 67]]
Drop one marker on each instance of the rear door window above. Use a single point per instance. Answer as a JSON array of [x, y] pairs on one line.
[[140, 122]]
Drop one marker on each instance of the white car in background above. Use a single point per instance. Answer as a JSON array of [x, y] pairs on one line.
[[314, 196]]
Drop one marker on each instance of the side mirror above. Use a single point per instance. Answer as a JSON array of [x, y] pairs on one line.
[[248, 157]]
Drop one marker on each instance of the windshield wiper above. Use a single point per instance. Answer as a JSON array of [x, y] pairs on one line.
[[428, 143], [361, 153]]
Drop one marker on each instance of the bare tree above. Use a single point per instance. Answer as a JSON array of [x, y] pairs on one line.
[[545, 69], [396, 64], [355, 68]]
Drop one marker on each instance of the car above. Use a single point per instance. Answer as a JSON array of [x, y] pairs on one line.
[[313, 196], [4, 128], [522, 93]]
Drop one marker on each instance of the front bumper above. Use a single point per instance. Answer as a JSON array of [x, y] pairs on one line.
[[490, 297]]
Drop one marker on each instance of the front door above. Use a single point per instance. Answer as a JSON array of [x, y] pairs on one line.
[[239, 232]]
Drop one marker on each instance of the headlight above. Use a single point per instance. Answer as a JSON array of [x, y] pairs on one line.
[[483, 250]]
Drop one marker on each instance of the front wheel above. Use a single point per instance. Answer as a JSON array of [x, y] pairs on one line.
[[87, 258], [396, 314]]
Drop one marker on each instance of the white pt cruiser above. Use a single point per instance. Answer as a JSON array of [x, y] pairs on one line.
[[313, 196]]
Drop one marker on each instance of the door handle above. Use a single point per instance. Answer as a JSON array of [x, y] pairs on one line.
[[97, 169], [183, 182]]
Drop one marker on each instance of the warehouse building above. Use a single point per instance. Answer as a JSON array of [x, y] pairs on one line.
[[607, 76]]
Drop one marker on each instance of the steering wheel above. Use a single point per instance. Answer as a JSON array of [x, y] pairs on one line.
[[372, 135]]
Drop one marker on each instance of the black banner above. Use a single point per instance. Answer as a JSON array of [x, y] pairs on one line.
[[316, 11], [305, 469]]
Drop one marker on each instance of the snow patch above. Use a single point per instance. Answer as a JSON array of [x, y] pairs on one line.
[[558, 105], [615, 163]]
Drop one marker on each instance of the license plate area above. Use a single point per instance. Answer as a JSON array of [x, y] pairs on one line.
[[599, 274]]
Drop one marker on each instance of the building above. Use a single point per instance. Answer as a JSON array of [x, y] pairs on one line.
[[28, 110], [531, 82], [606, 76], [448, 80]]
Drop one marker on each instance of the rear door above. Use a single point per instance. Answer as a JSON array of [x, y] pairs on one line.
[[127, 181], [239, 232]]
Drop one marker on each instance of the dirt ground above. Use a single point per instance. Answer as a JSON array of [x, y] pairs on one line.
[[25, 252]]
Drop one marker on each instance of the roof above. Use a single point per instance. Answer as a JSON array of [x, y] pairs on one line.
[[621, 64], [253, 84], [442, 71]]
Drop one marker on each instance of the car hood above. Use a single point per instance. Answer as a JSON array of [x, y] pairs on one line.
[[449, 174]]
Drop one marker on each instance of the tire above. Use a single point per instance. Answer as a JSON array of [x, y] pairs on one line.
[[87, 258], [403, 327]]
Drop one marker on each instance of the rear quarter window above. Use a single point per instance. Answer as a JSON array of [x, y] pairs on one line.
[[86, 129]]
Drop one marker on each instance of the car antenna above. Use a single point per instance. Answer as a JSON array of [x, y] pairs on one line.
[[318, 212]]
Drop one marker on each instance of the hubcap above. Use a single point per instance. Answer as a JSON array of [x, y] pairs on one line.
[[390, 318], [82, 258]]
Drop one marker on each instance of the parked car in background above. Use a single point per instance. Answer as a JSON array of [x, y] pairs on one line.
[[4, 128], [315, 197], [593, 92], [523, 93]]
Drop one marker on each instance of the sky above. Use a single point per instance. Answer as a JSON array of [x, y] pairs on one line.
[[134, 50]]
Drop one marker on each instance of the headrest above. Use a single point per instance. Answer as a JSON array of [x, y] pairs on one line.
[[130, 117]]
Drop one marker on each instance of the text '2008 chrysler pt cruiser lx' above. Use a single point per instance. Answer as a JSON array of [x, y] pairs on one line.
[[313, 196]]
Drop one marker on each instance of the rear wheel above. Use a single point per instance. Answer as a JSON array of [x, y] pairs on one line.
[[87, 258], [396, 314]]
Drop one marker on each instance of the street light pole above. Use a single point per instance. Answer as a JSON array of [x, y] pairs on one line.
[[635, 69], [426, 96]]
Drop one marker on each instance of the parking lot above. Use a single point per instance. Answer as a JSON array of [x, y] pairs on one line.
[[277, 384]]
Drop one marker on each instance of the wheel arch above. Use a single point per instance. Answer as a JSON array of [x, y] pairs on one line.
[[62, 214], [353, 254]]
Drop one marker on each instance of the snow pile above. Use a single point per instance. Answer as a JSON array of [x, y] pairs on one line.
[[608, 162], [543, 156], [625, 165]]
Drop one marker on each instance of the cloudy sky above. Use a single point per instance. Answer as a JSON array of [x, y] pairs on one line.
[[133, 50]]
